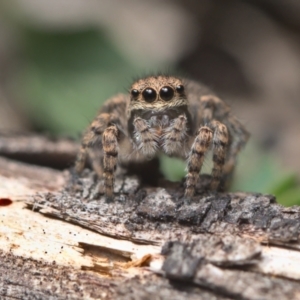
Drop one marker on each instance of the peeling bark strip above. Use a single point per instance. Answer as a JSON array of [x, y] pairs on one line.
[[184, 262], [225, 251]]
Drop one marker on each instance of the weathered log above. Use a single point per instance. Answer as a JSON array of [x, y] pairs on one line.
[[39, 149], [60, 238]]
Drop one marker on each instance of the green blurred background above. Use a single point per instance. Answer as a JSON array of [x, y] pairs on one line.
[[60, 60]]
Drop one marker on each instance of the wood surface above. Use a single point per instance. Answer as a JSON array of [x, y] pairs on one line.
[[60, 238]]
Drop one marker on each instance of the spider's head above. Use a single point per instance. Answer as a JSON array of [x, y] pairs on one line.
[[157, 94]]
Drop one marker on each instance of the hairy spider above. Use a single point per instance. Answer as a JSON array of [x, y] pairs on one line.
[[164, 114]]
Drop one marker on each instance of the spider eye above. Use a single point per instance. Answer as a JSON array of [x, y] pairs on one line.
[[149, 94], [166, 93], [180, 88], [134, 93]]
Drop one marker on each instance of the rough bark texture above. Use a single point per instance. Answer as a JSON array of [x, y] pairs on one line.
[[30, 279], [217, 246], [154, 215]]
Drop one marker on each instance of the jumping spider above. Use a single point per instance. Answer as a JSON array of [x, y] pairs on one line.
[[164, 114]]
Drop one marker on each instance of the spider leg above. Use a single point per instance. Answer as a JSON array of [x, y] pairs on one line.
[[92, 136], [212, 108], [195, 160], [110, 149], [145, 137], [175, 135], [224, 155], [96, 159], [240, 138], [220, 142]]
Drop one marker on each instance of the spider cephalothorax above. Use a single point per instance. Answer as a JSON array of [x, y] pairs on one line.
[[164, 114], [158, 116]]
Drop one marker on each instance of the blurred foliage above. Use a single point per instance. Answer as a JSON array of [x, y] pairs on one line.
[[66, 77], [259, 171]]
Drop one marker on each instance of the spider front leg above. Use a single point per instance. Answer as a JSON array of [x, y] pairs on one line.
[[145, 137], [200, 146], [175, 135]]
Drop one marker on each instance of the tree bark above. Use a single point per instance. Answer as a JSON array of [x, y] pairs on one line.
[[60, 239]]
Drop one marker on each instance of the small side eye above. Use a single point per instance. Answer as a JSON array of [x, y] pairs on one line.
[[149, 94], [180, 88], [135, 93], [166, 93]]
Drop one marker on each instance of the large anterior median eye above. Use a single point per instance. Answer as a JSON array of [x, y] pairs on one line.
[[166, 93], [149, 94]]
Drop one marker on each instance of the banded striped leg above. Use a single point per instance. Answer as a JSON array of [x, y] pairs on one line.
[[175, 135], [83, 152], [146, 137], [110, 149], [220, 142], [212, 105], [196, 157], [92, 137]]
